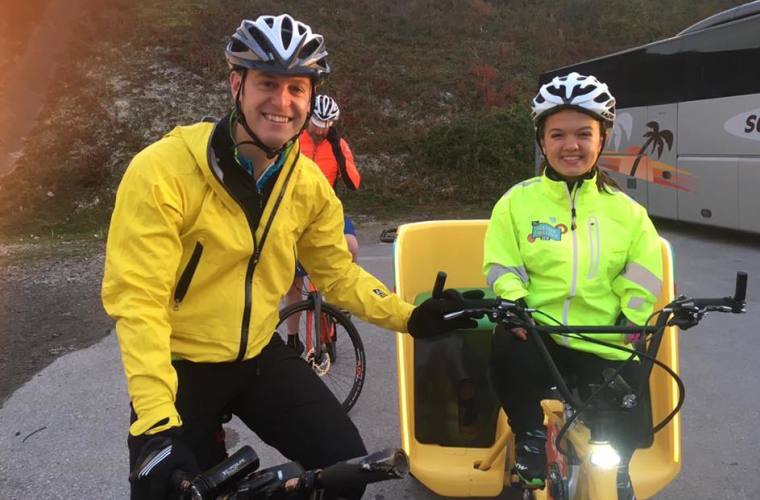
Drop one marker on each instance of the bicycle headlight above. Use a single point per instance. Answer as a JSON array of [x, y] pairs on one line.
[[604, 456]]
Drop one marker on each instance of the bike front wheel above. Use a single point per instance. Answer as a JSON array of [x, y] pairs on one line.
[[341, 363]]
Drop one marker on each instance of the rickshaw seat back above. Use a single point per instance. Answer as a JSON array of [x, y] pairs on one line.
[[444, 442], [442, 453]]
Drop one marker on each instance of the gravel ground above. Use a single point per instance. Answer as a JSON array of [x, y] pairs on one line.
[[49, 305]]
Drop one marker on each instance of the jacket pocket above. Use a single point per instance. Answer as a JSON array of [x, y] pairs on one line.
[[594, 248], [187, 275]]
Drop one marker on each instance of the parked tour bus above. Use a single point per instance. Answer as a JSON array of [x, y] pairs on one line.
[[686, 140]]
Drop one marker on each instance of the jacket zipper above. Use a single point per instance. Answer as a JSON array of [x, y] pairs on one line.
[[594, 247], [254, 260], [187, 275], [574, 278], [257, 246]]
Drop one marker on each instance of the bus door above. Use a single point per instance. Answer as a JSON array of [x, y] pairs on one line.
[[715, 161], [749, 198]]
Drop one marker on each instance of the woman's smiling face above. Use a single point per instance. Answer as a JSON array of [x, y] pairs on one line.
[[572, 142]]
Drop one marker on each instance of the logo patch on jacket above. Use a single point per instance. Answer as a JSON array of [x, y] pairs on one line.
[[545, 231], [379, 293]]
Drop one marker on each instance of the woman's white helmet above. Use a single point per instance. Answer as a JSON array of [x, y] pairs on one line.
[[325, 111], [574, 91], [280, 45]]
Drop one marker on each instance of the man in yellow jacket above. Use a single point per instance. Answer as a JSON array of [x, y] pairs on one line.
[[201, 248]]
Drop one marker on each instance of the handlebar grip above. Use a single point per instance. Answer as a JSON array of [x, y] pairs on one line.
[[391, 463], [740, 293], [440, 281], [229, 471]]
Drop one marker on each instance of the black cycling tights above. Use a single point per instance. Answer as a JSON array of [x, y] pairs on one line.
[[522, 380], [278, 396]]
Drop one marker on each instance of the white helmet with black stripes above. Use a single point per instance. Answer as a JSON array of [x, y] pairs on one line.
[[326, 111], [574, 91]]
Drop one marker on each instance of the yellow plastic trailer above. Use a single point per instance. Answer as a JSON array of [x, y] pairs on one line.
[[452, 427]]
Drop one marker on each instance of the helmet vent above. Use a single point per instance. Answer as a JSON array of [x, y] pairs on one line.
[[558, 92], [260, 39], [577, 91], [308, 49], [287, 31], [238, 46], [602, 98]]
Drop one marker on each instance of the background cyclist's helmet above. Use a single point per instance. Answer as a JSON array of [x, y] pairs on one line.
[[326, 111], [280, 45], [574, 91]]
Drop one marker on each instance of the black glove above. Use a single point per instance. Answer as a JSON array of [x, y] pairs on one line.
[[427, 318], [160, 455]]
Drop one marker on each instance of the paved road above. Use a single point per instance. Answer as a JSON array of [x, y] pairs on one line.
[[62, 435]]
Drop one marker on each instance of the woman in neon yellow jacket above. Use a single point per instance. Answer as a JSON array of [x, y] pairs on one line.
[[571, 244]]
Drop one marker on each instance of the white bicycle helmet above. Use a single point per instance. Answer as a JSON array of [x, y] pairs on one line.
[[574, 91], [325, 112], [278, 44]]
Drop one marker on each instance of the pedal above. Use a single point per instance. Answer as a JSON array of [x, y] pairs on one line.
[[517, 482]]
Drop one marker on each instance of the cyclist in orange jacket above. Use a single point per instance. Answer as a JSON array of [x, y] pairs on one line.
[[322, 143]]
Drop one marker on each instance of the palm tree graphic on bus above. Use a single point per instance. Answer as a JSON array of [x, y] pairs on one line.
[[655, 138]]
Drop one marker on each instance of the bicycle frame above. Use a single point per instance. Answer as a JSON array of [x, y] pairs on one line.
[[319, 332], [590, 481]]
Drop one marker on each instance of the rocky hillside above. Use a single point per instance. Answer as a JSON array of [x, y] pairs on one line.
[[429, 88]]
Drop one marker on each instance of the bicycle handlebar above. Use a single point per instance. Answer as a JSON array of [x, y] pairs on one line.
[[238, 476], [390, 463], [683, 312], [499, 309]]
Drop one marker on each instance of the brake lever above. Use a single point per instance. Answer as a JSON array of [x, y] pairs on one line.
[[686, 317]]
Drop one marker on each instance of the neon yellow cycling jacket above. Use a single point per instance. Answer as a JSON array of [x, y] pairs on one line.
[[582, 256], [181, 278]]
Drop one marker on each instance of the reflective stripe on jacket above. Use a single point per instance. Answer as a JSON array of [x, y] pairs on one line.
[[333, 157], [180, 277], [581, 270]]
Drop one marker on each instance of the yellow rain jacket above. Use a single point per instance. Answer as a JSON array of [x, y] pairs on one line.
[[582, 256], [184, 276]]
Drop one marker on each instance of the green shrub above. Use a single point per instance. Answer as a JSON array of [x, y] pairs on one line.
[[480, 156]]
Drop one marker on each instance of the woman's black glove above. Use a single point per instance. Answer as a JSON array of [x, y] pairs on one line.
[[427, 318], [160, 455]]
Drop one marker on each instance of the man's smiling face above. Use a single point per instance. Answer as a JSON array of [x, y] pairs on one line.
[[275, 106]]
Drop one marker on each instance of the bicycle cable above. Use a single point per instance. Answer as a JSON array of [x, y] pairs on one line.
[[633, 353]]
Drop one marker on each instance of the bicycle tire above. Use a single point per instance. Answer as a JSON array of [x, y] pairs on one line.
[[344, 382]]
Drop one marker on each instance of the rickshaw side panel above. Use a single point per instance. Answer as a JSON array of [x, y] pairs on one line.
[[653, 468]]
